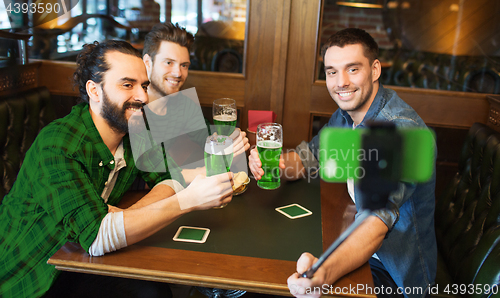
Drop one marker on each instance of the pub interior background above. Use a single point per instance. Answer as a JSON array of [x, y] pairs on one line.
[[442, 57]]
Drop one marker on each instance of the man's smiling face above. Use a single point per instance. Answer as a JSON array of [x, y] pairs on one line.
[[169, 70], [350, 77], [123, 90]]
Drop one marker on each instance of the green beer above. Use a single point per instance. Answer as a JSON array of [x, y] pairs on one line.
[[218, 155], [269, 154], [225, 124]]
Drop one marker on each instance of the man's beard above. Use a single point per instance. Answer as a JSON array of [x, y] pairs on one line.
[[157, 84], [157, 87], [114, 115], [363, 100]]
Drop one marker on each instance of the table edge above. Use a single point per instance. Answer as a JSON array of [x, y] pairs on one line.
[[171, 277]]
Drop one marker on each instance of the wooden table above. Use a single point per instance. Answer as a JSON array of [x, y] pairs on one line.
[[250, 247]]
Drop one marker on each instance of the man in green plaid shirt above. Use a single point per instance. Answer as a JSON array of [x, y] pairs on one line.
[[78, 169]]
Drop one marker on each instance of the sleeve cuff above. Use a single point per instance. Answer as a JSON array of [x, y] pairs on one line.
[[307, 157], [389, 216], [111, 235]]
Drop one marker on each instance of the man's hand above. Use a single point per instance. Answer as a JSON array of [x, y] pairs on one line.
[[207, 192], [240, 141], [255, 164], [304, 287]]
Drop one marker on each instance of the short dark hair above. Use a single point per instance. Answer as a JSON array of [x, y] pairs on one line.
[[166, 32], [352, 36], [92, 65]]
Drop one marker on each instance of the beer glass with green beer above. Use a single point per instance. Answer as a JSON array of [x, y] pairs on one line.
[[225, 115], [269, 143], [218, 154]]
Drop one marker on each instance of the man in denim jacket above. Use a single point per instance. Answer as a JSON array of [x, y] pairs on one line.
[[399, 242]]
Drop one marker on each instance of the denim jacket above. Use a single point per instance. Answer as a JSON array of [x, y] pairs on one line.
[[409, 251]]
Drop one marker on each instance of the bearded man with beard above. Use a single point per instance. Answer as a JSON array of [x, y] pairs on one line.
[[398, 242], [74, 175]]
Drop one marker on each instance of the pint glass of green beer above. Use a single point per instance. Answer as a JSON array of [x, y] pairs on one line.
[[269, 143], [225, 115], [218, 154]]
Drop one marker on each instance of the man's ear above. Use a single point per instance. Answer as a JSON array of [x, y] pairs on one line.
[[148, 62], [93, 91], [376, 70]]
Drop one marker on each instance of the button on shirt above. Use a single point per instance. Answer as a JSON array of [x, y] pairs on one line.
[[117, 164], [111, 236]]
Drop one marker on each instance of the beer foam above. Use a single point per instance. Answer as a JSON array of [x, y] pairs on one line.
[[225, 118], [269, 144]]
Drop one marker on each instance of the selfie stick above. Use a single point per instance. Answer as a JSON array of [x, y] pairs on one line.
[[362, 216], [381, 178]]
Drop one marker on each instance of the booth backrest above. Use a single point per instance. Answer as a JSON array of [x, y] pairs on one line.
[[468, 212], [22, 116]]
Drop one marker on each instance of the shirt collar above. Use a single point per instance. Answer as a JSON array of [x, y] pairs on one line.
[[119, 157]]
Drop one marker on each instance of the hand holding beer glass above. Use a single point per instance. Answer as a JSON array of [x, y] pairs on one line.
[[218, 155], [269, 144], [219, 146]]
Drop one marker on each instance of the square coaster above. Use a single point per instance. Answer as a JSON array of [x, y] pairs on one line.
[[294, 211], [191, 234]]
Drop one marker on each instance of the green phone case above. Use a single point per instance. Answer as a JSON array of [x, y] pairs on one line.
[[341, 154]]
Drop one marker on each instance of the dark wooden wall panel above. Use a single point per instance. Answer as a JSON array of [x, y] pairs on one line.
[[300, 70], [212, 85], [266, 56], [280, 65]]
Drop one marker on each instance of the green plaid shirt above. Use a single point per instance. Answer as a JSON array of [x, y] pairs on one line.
[[56, 198]]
